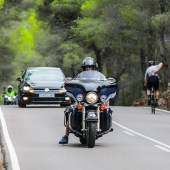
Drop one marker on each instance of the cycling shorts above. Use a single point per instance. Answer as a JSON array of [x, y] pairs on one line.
[[153, 81]]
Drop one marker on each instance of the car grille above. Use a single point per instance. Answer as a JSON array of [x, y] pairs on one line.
[[48, 99], [50, 90]]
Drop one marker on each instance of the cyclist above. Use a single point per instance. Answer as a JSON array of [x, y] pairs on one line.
[[152, 79]]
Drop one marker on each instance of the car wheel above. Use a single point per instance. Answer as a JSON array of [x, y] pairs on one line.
[[20, 104]]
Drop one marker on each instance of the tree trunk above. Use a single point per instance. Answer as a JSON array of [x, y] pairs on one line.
[[98, 57], [142, 61], [150, 43], [163, 48]]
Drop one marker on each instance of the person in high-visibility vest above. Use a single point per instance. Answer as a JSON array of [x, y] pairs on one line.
[[11, 93]]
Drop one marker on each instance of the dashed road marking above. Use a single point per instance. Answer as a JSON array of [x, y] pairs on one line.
[[146, 137], [164, 149], [131, 134]]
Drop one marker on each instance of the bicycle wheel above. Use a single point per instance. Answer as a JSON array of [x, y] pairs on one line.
[[153, 109], [153, 100]]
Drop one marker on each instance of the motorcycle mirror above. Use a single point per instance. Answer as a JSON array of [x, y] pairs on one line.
[[22, 72], [3, 89], [67, 79], [112, 79]]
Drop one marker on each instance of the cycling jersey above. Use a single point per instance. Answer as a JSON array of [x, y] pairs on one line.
[[149, 72]]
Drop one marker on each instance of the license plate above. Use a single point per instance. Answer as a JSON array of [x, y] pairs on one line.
[[46, 95]]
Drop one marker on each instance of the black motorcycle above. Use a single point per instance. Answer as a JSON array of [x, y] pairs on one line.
[[88, 116]]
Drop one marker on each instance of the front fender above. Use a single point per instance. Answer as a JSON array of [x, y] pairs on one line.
[[92, 116]]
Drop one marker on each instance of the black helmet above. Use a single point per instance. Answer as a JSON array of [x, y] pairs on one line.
[[88, 61], [151, 63]]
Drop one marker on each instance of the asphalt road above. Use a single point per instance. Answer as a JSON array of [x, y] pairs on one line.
[[140, 141]]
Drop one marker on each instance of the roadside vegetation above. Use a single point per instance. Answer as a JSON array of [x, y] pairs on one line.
[[122, 35]]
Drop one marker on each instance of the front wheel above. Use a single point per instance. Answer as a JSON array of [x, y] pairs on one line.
[[91, 134]]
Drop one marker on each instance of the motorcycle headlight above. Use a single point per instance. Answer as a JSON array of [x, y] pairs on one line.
[[79, 97], [91, 97], [10, 99], [103, 98]]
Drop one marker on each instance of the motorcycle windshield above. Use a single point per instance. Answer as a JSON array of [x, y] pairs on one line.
[[90, 81], [90, 75]]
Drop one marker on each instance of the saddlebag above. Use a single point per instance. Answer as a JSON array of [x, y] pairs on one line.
[[105, 120], [76, 120]]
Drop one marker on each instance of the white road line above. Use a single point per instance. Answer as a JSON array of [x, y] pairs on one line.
[[131, 134], [146, 137], [160, 147], [166, 111], [13, 156]]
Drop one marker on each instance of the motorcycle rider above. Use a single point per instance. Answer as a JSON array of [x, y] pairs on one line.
[[151, 79], [87, 64], [10, 92]]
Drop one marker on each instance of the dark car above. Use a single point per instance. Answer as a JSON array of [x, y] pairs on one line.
[[42, 85]]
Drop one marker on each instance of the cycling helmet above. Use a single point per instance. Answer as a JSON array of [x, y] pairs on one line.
[[151, 63], [88, 62]]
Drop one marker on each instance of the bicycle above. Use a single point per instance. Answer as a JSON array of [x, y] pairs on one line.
[[153, 100]]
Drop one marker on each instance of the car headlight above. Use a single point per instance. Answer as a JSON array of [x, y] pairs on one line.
[[79, 97], [28, 89], [62, 90], [103, 98], [91, 97]]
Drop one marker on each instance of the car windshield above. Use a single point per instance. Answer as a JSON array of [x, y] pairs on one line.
[[90, 75], [44, 75]]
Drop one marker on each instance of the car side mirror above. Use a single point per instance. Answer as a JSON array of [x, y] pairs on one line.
[[19, 79], [67, 79]]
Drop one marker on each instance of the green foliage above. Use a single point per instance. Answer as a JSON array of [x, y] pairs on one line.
[[160, 20], [121, 35], [91, 30], [65, 9], [73, 54], [1, 3], [88, 7], [22, 37]]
